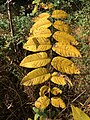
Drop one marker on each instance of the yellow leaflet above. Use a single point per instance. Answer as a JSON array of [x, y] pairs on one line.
[[60, 79], [56, 91], [54, 73], [42, 32], [59, 14], [41, 16], [60, 25], [35, 60], [60, 36], [44, 15], [64, 65], [37, 44], [44, 89], [57, 102], [42, 102], [62, 40], [35, 77], [66, 50], [42, 23], [79, 114]]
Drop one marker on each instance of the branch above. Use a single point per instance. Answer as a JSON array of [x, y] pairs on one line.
[[10, 17]]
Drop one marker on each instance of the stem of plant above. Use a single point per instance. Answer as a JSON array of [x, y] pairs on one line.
[[50, 69], [10, 17]]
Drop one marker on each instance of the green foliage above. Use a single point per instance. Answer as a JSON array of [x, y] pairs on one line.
[[68, 5], [81, 17], [20, 25], [41, 114], [4, 24]]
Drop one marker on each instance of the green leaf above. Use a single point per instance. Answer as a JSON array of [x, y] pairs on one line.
[[34, 10], [79, 114], [36, 110], [36, 116]]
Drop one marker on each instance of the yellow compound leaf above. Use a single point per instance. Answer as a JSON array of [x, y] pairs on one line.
[[60, 79], [35, 60], [59, 14], [78, 114], [64, 65], [56, 91], [41, 16], [66, 50], [57, 102], [42, 102], [37, 44], [63, 36], [35, 77], [44, 89], [60, 25]]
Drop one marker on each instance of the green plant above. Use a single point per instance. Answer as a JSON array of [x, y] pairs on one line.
[[57, 65], [39, 113], [78, 114]]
